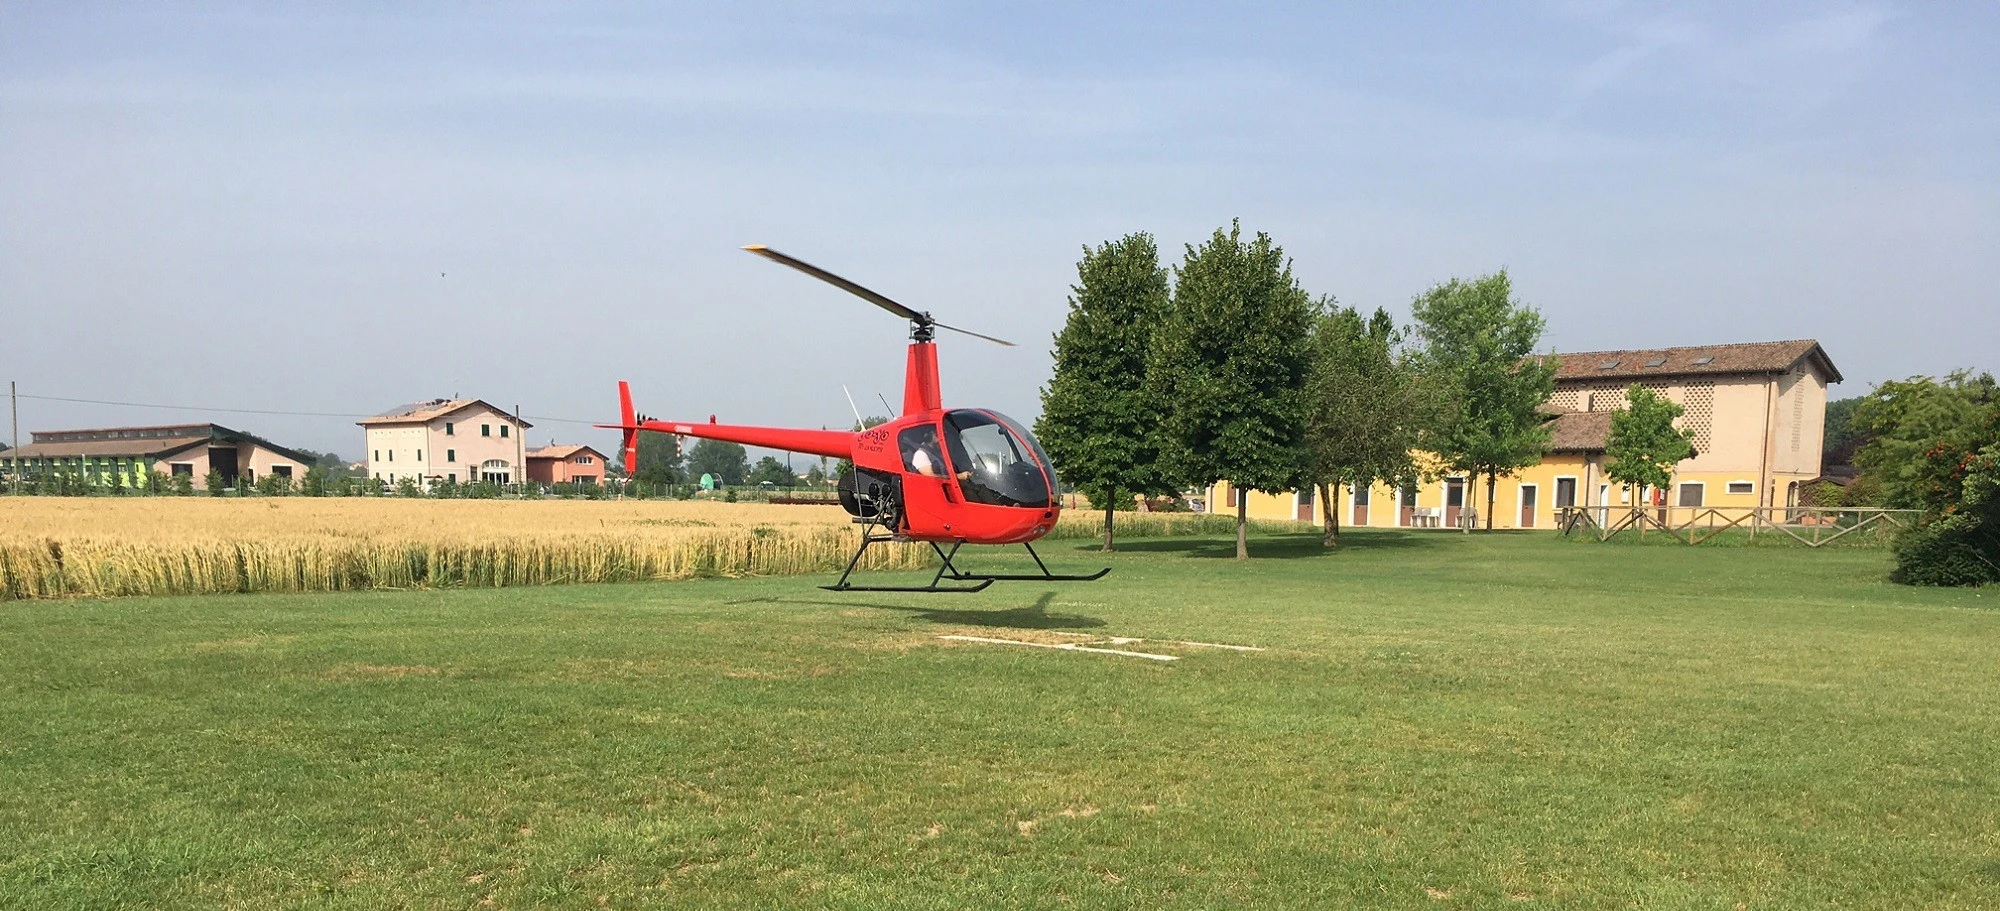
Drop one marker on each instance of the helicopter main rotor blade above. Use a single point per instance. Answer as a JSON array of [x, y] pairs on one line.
[[838, 282], [866, 294], [996, 341]]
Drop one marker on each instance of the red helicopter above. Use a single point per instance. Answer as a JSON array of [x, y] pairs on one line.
[[942, 476]]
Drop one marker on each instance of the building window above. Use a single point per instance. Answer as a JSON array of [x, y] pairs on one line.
[[451, 455], [486, 430], [503, 431], [378, 455], [1691, 494], [283, 471], [182, 469], [392, 455], [1742, 487], [584, 460], [420, 455], [447, 428]]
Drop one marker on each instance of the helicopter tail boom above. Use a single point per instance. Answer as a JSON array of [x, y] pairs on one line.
[[831, 443]]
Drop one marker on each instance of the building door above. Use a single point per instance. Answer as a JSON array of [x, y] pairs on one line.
[[1528, 496], [495, 471], [1361, 505], [1603, 503], [223, 459], [1454, 500], [1565, 493], [1305, 504], [1406, 511]]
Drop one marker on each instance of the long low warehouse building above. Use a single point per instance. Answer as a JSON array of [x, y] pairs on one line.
[[131, 453]]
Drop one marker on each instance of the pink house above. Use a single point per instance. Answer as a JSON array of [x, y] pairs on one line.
[[554, 464]]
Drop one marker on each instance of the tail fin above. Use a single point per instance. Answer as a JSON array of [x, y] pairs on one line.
[[630, 425]]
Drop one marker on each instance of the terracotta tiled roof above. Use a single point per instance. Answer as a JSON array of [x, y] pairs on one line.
[[1747, 357], [562, 452], [1579, 431], [424, 412]]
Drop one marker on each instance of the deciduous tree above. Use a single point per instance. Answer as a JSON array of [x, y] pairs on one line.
[[1098, 423], [1368, 407], [1478, 338], [1644, 445], [1228, 369], [1904, 419], [769, 470], [728, 462]]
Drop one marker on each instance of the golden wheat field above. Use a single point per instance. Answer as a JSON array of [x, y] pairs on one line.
[[62, 547], [52, 547]]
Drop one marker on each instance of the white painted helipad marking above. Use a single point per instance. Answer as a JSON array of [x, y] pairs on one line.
[[1060, 646], [1239, 648]]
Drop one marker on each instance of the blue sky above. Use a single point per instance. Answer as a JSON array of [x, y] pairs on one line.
[[250, 207]]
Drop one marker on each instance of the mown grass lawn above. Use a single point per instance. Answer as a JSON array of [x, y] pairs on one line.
[[1438, 721]]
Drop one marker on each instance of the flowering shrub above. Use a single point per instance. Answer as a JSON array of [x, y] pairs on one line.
[[1958, 540]]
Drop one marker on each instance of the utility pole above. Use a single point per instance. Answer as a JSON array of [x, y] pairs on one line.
[[14, 454], [520, 457]]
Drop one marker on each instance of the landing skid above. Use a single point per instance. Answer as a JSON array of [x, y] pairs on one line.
[[949, 571]]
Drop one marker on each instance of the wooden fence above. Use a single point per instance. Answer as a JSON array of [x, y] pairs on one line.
[[1813, 526]]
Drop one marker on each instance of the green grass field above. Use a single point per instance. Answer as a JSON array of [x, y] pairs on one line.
[[1438, 721]]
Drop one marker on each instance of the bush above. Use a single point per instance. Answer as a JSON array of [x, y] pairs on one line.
[[1958, 541], [213, 482], [1947, 551], [183, 485]]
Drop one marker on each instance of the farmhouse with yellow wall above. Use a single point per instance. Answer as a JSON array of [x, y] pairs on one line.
[[1757, 410]]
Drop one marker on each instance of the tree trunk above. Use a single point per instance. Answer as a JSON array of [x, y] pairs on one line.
[[1332, 518], [1471, 496], [1108, 525], [1489, 500], [1242, 523]]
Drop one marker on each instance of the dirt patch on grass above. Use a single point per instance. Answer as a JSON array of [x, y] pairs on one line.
[[247, 642], [380, 671]]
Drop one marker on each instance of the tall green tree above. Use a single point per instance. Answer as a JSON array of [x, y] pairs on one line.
[[1098, 423], [769, 470], [728, 462], [1477, 338], [659, 459], [1228, 369], [1904, 419], [1368, 408], [1644, 445]]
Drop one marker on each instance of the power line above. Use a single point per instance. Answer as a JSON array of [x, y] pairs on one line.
[[303, 414]]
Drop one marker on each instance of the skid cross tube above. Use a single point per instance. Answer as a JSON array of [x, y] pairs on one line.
[[948, 569], [868, 537]]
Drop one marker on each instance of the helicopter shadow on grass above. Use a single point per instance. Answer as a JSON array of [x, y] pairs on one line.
[[1034, 616], [1278, 547]]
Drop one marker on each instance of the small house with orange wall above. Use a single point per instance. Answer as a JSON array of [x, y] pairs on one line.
[[554, 464]]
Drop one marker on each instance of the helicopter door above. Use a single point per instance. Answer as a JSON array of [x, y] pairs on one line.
[[925, 496], [999, 462]]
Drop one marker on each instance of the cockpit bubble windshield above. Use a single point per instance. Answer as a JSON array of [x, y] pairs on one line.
[[998, 462]]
